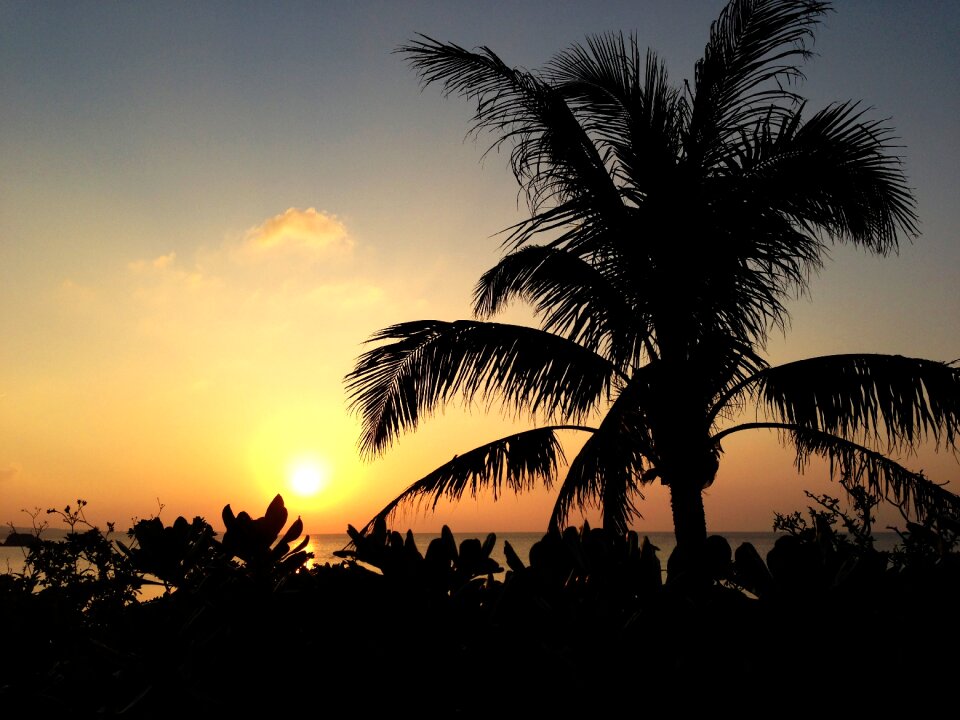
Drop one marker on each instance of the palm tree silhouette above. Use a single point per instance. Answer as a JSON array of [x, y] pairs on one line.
[[668, 226]]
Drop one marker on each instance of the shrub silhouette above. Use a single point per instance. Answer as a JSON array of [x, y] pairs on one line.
[[422, 631]]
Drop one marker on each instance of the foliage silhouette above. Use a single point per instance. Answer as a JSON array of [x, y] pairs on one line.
[[445, 567], [256, 541], [88, 639], [589, 607], [668, 228], [176, 555]]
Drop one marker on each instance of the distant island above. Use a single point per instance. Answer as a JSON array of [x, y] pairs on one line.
[[20, 539]]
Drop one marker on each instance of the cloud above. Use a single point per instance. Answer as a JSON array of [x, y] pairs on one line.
[[288, 274], [304, 231]]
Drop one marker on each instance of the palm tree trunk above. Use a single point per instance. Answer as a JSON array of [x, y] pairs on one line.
[[686, 502]]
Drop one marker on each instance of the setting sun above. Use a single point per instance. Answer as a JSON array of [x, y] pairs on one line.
[[308, 477]]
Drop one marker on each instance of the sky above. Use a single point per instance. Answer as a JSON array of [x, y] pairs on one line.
[[207, 208]]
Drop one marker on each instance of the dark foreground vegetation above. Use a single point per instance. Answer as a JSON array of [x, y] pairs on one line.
[[589, 624]]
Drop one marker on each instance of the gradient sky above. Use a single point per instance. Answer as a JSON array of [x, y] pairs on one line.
[[206, 208]]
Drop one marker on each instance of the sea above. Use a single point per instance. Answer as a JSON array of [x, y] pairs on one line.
[[323, 546]]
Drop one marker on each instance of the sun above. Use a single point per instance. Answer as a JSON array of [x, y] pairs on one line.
[[308, 476]]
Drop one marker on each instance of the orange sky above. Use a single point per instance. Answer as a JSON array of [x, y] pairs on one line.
[[204, 213]]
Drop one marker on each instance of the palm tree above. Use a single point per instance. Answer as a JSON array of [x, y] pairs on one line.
[[668, 227]]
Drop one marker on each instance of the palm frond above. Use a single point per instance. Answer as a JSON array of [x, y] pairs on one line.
[[745, 270], [573, 297], [751, 260], [518, 462], [626, 102], [754, 51], [429, 362], [836, 172], [856, 465], [552, 157], [609, 468], [884, 398], [719, 364]]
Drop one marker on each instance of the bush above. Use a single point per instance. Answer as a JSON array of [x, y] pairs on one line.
[[242, 619]]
